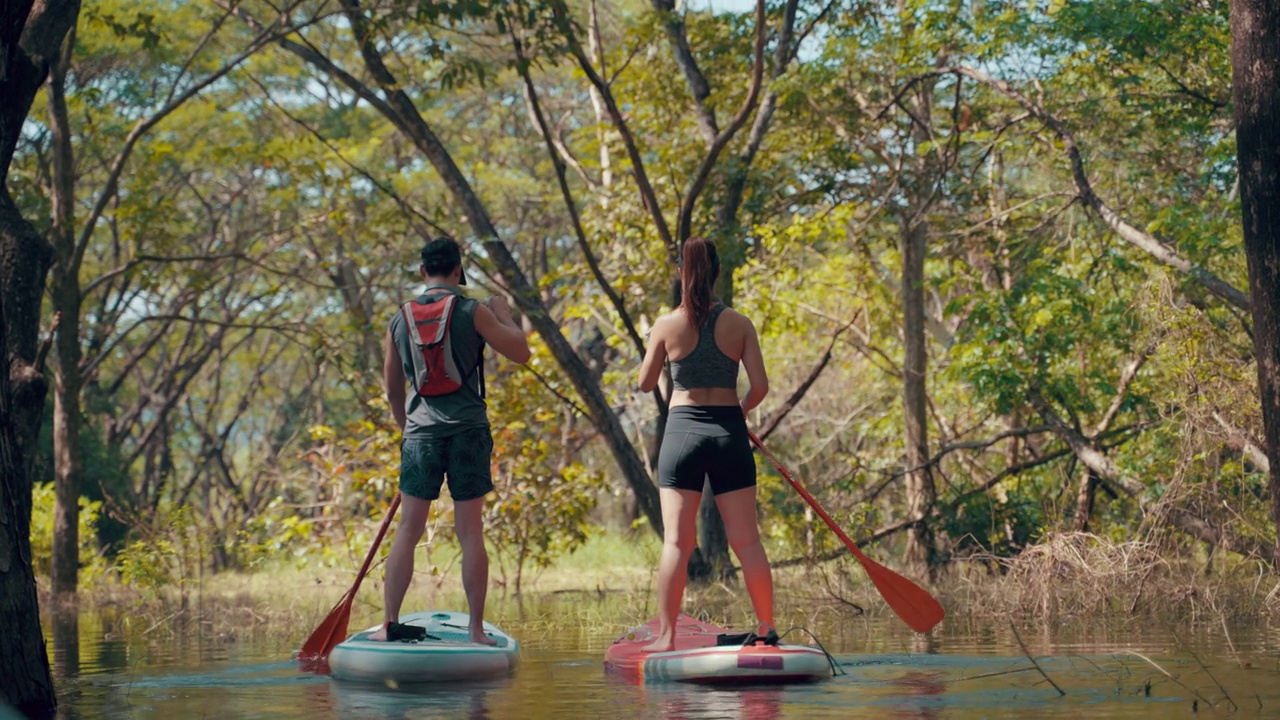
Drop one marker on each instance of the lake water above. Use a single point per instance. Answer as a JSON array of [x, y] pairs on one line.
[[971, 669]]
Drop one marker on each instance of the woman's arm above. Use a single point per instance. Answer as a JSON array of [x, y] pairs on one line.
[[753, 362], [654, 357]]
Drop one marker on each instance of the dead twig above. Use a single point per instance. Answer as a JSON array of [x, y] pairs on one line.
[[1205, 668], [1172, 677], [1043, 674], [1235, 655]]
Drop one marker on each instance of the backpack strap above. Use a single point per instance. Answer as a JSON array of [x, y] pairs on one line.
[[445, 324], [442, 327]]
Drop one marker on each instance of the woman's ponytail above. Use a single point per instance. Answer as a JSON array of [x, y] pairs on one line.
[[701, 268]]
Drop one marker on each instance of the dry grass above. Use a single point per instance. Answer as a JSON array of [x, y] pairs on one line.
[[1083, 575]]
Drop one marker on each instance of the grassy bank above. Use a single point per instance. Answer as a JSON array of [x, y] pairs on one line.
[[610, 582]]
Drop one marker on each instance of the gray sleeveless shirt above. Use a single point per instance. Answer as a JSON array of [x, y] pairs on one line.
[[706, 366], [444, 415]]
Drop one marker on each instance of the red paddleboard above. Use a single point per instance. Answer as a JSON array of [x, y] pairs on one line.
[[698, 657]]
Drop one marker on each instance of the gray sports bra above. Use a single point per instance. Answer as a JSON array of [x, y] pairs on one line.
[[706, 366]]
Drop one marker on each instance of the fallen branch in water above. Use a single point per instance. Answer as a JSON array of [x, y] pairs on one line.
[[1043, 674], [1171, 677], [1205, 668]]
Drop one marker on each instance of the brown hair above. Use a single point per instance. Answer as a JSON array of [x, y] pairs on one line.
[[701, 267]]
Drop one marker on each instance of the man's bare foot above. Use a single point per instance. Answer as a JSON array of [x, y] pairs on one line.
[[664, 643], [478, 637]]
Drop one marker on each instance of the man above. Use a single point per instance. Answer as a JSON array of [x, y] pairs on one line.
[[445, 435]]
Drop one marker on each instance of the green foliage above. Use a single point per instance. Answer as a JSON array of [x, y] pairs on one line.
[[92, 562], [543, 495], [173, 554], [1002, 524]]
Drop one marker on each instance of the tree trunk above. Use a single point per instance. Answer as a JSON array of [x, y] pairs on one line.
[[66, 297], [920, 489], [1255, 56], [66, 642], [25, 682], [913, 247], [1084, 500], [30, 37]]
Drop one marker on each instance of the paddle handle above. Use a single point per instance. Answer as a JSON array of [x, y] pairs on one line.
[[813, 503]]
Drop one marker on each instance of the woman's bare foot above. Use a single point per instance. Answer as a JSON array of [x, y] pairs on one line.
[[478, 637], [666, 642], [379, 635]]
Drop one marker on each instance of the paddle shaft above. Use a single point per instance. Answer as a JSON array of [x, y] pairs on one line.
[[373, 549], [333, 628], [813, 503], [920, 610]]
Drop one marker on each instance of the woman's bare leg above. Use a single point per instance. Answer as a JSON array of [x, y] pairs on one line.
[[680, 523], [738, 509]]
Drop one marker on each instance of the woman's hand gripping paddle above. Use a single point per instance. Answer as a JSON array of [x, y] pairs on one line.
[[913, 604], [333, 629]]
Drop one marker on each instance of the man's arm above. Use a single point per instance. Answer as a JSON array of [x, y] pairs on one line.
[[496, 326], [393, 381]]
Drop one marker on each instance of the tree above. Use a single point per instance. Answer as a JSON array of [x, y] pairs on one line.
[[70, 242], [1255, 56], [31, 37]]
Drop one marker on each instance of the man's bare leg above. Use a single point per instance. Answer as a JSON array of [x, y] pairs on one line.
[[468, 524], [399, 572], [680, 523]]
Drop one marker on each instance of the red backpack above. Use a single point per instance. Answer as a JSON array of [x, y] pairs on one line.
[[435, 371]]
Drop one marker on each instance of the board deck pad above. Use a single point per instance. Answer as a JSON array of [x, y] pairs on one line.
[[698, 658], [449, 656]]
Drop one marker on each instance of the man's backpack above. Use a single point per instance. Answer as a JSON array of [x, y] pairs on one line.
[[435, 369]]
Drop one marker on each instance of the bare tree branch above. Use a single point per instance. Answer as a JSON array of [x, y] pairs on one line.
[[647, 194], [144, 126], [1153, 246], [685, 221], [698, 85], [778, 415]]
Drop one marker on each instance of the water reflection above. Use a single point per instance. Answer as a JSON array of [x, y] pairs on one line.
[[685, 702], [362, 700], [922, 694], [66, 642]]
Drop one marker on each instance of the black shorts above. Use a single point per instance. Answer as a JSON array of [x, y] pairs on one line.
[[706, 442], [464, 457]]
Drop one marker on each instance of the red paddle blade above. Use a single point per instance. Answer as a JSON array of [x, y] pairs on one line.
[[331, 631], [917, 608]]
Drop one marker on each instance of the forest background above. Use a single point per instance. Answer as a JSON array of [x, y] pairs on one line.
[[994, 251]]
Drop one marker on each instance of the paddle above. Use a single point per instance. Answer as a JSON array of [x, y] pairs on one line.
[[333, 629], [913, 604]]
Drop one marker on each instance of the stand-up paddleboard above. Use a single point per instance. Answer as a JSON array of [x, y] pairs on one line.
[[709, 653], [446, 655]]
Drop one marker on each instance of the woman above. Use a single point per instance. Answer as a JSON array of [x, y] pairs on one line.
[[706, 433]]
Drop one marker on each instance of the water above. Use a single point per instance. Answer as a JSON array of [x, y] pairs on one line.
[[968, 670]]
